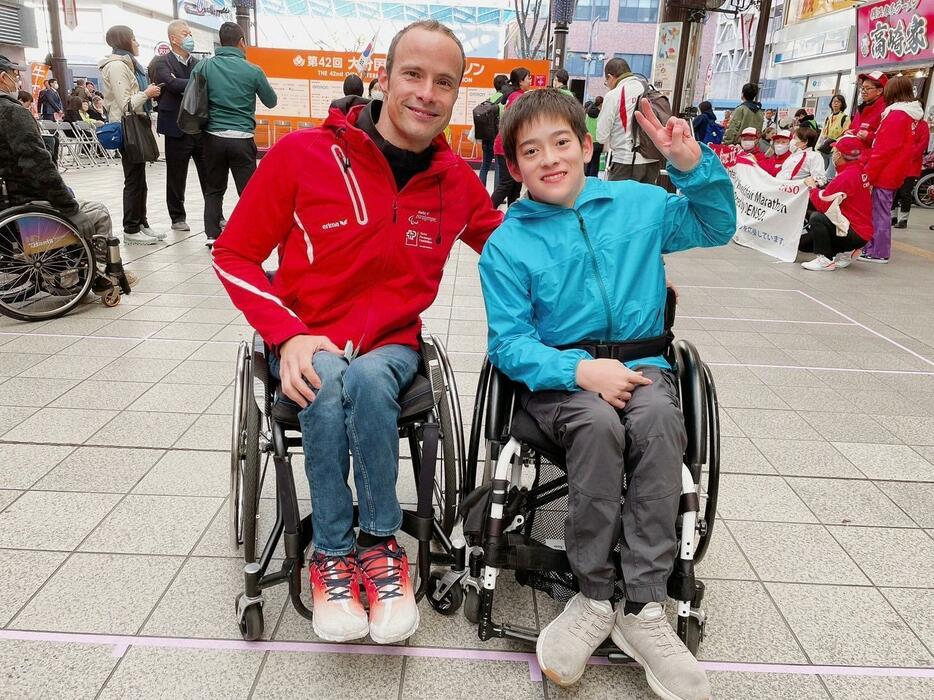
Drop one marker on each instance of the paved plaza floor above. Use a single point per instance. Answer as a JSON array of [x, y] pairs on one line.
[[117, 577]]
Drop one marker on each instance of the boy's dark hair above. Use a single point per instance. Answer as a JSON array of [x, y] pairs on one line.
[[704, 107], [540, 104], [429, 25], [119, 36], [750, 91], [499, 81], [808, 135], [230, 34], [801, 113], [562, 76], [353, 85], [615, 67]]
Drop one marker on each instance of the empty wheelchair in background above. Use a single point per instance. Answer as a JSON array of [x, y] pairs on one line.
[[268, 430], [47, 267], [515, 519]]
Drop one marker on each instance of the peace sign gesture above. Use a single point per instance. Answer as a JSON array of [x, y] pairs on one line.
[[675, 139]]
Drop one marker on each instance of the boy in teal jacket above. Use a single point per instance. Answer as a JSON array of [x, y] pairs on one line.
[[579, 263]]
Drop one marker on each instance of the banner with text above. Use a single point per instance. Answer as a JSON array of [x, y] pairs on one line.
[[895, 32], [769, 212], [306, 82]]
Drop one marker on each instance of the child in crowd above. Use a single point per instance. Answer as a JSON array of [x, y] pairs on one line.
[[776, 156], [580, 262], [749, 141]]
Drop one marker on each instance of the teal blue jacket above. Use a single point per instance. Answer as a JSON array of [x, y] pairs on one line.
[[554, 276], [233, 86]]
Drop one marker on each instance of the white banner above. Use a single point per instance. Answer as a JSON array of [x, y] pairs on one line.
[[769, 212]]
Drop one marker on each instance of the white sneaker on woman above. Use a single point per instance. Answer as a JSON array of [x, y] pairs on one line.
[[843, 260], [158, 235], [820, 264]]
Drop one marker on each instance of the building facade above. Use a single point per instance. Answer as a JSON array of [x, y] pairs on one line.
[[17, 30]]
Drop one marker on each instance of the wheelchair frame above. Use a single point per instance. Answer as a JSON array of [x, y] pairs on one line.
[[505, 458], [440, 425], [97, 263]]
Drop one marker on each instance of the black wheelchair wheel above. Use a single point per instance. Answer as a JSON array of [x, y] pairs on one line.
[[710, 487], [691, 632], [251, 624], [472, 605], [244, 459], [924, 191], [450, 602], [46, 266]]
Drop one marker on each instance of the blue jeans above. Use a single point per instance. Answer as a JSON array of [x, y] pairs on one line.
[[356, 409], [487, 163]]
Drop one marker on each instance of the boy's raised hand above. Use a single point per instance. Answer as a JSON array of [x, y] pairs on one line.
[[675, 139], [612, 380]]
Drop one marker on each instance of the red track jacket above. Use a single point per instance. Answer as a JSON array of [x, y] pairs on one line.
[[857, 207], [900, 143], [867, 119], [359, 260]]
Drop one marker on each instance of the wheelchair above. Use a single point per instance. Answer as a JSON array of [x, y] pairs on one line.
[[47, 267], [515, 519], [430, 421]]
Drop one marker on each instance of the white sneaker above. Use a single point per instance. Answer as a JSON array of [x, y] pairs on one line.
[[843, 260], [181, 226], [158, 235], [139, 238], [819, 264], [568, 642]]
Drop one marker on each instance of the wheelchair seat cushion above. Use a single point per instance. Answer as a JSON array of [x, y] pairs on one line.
[[414, 402], [524, 429]]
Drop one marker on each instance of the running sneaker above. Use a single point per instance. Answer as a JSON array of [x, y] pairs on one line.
[[873, 259], [335, 593], [565, 646], [158, 235], [180, 226], [820, 264], [385, 572], [843, 260], [139, 238]]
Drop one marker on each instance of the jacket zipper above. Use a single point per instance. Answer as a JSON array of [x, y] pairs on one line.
[[596, 272]]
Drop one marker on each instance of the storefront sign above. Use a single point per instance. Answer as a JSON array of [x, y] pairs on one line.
[[803, 10], [70, 13], [665, 67], [895, 31]]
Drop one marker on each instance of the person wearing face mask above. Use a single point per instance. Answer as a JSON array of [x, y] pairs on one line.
[[869, 111], [772, 160], [373, 91], [749, 142], [804, 163], [172, 72], [51, 106]]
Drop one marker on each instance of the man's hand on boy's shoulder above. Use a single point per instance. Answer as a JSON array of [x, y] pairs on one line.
[[675, 139], [611, 379], [295, 369]]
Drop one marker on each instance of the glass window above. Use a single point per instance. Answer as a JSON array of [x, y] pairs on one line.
[[588, 10], [638, 11], [576, 64], [638, 63]]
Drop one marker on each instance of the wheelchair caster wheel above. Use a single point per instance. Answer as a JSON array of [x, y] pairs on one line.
[[694, 634], [472, 605], [251, 621], [111, 297], [449, 602]]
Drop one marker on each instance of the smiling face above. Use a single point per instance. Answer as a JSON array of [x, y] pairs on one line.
[[550, 160], [419, 96]]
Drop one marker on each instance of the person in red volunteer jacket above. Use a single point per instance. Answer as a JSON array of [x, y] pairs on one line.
[[905, 195], [780, 150], [902, 132], [851, 189], [868, 114], [364, 211]]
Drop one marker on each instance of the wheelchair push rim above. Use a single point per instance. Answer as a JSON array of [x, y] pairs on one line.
[[46, 266], [244, 458]]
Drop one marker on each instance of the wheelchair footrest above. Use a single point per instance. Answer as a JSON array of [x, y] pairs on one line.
[[681, 583], [520, 553], [418, 527]]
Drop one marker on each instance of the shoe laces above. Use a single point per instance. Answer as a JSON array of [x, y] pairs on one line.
[[382, 565], [338, 574], [587, 627], [665, 639]]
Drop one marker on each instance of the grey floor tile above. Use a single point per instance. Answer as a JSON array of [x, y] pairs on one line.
[[54, 670], [916, 606], [151, 312], [99, 469], [889, 462], [164, 349], [21, 575], [33, 391], [849, 427], [765, 686], [129, 329], [52, 520], [745, 626], [433, 678], [190, 331], [177, 398], [913, 430], [60, 425], [805, 458], [757, 423], [147, 672], [764, 498], [143, 429], [188, 473], [211, 351], [89, 593], [796, 553], [917, 500], [849, 502], [200, 602], [202, 372], [110, 395], [868, 688], [724, 558], [100, 347], [12, 416], [39, 344], [330, 675], [606, 681], [781, 377], [848, 625], [136, 369], [749, 396], [67, 367], [803, 398], [22, 465], [7, 496], [12, 364], [153, 525], [741, 456], [890, 557], [208, 432]]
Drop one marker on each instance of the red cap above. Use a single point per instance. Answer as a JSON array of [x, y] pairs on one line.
[[849, 145], [876, 76], [782, 134], [750, 131]]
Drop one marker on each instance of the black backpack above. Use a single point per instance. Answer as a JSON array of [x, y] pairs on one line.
[[486, 120]]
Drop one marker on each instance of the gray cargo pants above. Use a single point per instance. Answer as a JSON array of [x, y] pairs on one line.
[[646, 439]]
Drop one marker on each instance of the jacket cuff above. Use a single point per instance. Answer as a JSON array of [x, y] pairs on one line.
[[285, 332], [568, 362], [698, 172]]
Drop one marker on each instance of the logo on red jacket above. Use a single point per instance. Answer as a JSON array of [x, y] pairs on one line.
[[416, 238]]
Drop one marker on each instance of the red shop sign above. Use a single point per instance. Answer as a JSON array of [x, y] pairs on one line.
[[891, 32]]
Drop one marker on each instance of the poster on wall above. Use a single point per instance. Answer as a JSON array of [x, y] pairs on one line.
[[665, 66], [306, 83], [803, 10], [889, 33], [206, 13]]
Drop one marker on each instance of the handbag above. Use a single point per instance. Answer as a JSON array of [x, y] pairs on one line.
[[193, 110], [139, 143], [110, 136]]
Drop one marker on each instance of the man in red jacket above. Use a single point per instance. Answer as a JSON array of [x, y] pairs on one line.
[[364, 211], [868, 114], [851, 190]]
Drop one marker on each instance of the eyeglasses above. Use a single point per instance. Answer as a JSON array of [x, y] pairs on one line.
[[869, 86]]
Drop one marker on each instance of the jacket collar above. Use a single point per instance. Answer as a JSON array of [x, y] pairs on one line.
[[594, 189], [230, 51]]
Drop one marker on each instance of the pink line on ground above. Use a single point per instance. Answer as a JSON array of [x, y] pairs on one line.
[[122, 642]]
